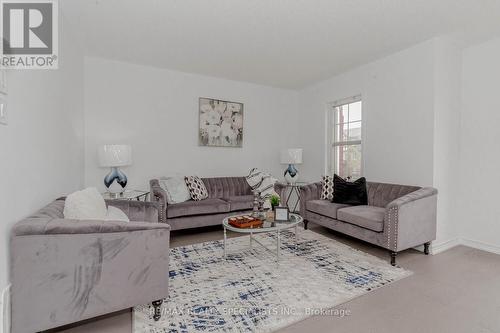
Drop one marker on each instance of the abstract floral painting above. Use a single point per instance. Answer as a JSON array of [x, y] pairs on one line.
[[221, 123]]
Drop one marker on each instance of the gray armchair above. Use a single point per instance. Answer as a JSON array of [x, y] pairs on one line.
[[64, 271]]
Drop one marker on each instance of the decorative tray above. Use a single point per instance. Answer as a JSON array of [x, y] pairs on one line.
[[245, 222]]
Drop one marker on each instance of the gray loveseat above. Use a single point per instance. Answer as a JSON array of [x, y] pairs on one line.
[[226, 196], [64, 271], [397, 217]]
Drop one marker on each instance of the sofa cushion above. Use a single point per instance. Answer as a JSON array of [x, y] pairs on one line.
[[176, 189], [197, 188], [327, 188], [369, 217], [351, 193], [324, 207], [240, 202], [202, 207], [261, 182]]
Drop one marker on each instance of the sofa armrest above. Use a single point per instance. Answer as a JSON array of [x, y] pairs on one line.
[[411, 219], [160, 196], [139, 211], [415, 195], [58, 226], [309, 192]]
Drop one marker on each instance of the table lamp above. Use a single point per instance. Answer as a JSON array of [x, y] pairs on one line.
[[291, 156], [115, 156]]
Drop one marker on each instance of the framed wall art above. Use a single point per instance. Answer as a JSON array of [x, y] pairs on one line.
[[220, 123]]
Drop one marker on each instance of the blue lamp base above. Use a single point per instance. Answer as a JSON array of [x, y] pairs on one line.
[[291, 174], [115, 181]]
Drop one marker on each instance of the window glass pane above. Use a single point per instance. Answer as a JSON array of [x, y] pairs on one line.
[[345, 159], [354, 132], [355, 111], [342, 114], [348, 161], [334, 160], [341, 132]]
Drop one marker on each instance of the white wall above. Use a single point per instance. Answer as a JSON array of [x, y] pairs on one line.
[[478, 204], [397, 94], [41, 150], [447, 103], [411, 113], [156, 110]]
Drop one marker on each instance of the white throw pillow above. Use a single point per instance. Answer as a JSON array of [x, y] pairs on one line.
[[116, 214], [87, 204], [176, 189], [261, 182]]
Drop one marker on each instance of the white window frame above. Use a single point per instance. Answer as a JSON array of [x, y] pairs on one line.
[[330, 161]]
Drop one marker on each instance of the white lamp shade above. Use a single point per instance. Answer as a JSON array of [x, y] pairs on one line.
[[291, 156], [115, 155]]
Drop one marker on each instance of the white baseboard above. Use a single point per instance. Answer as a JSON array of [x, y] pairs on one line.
[[446, 245], [5, 310], [481, 246]]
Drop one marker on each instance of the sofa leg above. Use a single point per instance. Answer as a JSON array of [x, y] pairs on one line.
[[305, 224], [393, 258], [426, 248], [157, 308]]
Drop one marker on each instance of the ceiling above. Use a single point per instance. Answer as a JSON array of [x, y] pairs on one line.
[[282, 43]]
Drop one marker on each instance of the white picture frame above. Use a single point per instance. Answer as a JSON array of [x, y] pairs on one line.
[[281, 214]]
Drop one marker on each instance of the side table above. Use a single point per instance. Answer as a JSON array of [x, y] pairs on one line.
[[127, 195], [291, 192]]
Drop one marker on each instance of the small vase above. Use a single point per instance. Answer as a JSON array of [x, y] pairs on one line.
[[291, 174]]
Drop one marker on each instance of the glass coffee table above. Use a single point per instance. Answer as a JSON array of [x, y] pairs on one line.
[[268, 226]]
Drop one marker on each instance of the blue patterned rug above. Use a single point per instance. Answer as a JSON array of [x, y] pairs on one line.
[[250, 292]]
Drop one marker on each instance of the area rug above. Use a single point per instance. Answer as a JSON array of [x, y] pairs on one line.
[[250, 292]]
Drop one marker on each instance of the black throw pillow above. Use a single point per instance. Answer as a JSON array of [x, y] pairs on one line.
[[349, 193]]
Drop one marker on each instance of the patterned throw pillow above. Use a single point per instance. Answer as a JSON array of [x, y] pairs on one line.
[[196, 187], [261, 182], [327, 188]]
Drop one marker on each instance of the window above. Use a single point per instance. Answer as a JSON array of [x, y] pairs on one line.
[[345, 151]]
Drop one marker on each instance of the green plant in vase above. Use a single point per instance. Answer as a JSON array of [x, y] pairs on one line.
[[275, 201]]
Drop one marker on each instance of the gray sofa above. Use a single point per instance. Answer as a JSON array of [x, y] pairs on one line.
[[396, 218], [64, 271], [226, 196]]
